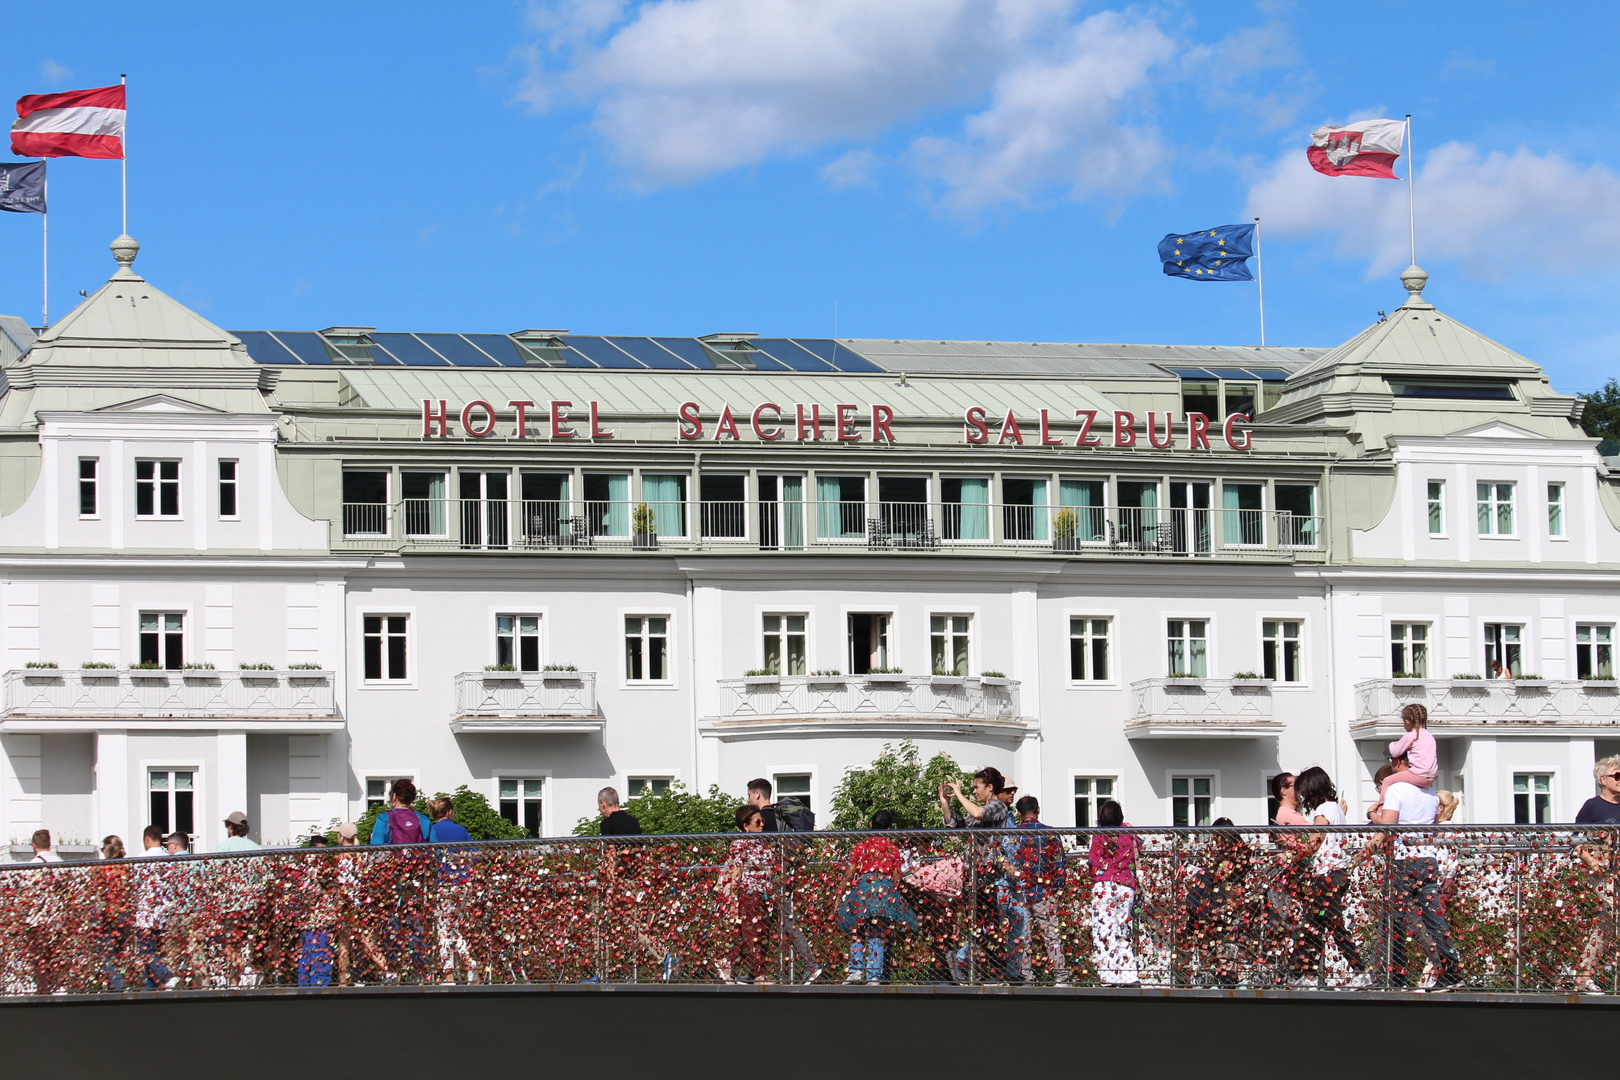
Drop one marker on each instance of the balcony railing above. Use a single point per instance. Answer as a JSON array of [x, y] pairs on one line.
[[1174, 708], [198, 693], [823, 527], [823, 701], [1463, 706], [561, 702]]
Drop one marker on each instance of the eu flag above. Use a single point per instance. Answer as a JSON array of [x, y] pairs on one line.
[[1216, 254]]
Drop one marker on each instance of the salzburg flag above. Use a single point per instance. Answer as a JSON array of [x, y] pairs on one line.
[[1368, 148], [74, 123]]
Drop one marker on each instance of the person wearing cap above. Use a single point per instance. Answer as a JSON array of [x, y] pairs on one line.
[[236, 833], [348, 834]]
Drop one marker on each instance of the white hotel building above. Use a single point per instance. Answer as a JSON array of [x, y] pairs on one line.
[[273, 571]]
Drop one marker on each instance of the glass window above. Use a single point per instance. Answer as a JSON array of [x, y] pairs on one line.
[[385, 647], [1409, 650], [1192, 800], [1201, 396], [1090, 792], [171, 793], [377, 789], [517, 642], [1532, 798], [868, 643], [967, 507], [1189, 647], [546, 516], [227, 489], [157, 489], [784, 644], [1555, 509], [781, 512], [1297, 523], [365, 502], [87, 487], [665, 495], [903, 511], [1437, 507], [1594, 651], [1088, 650], [607, 504], [1503, 650], [723, 506], [648, 785], [646, 648], [796, 785], [1240, 398], [1495, 505], [840, 507], [1280, 649], [1242, 514], [424, 500], [1025, 513], [1088, 514], [948, 644], [163, 639], [522, 802]]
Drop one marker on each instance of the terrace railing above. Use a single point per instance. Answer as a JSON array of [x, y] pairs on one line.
[[1466, 705], [825, 527], [1490, 910], [187, 693], [534, 701], [828, 699]]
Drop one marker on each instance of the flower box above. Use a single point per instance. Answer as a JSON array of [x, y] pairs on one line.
[[1529, 684], [886, 677], [1183, 680], [946, 680], [1241, 685], [762, 680], [561, 676], [1599, 684], [995, 680]]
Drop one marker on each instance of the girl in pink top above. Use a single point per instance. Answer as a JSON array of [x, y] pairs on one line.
[[1419, 748]]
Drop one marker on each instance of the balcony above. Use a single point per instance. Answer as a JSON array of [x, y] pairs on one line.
[[1460, 707], [1201, 709], [900, 705], [533, 702], [49, 699], [822, 528]]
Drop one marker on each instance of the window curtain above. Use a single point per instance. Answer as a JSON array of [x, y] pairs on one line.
[[793, 511], [1040, 511], [1085, 498], [667, 497], [975, 510], [1231, 505], [618, 507], [829, 508]]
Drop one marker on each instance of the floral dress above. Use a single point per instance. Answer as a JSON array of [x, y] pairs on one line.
[[875, 899]]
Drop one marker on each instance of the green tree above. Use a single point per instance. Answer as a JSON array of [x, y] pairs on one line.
[[1601, 420], [896, 781], [675, 811], [473, 813]]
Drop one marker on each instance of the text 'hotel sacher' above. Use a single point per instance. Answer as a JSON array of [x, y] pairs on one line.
[[274, 571]]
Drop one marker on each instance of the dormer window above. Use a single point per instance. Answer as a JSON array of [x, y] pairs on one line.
[[349, 344], [734, 351], [541, 348], [1453, 389]]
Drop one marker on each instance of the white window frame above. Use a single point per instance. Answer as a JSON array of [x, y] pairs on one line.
[[951, 635], [782, 634], [1429, 654], [517, 637], [799, 770], [525, 778], [671, 656], [1552, 794], [1433, 500], [1172, 775], [844, 640], [1594, 645], [387, 777], [667, 776], [199, 807], [412, 653], [1495, 503], [1560, 502], [1304, 654], [234, 483], [1111, 618], [1209, 641], [185, 635], [157, 481], [94, 480], [1093, 775], [1527, 661]]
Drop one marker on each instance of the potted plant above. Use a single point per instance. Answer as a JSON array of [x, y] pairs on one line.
[[560, 673], [994, 678], [763, 676], [825, 678], [1249, 680], [643, 529], [1065, 523], [886, 675], [942, 677], [1598, 681], [1529, 681]]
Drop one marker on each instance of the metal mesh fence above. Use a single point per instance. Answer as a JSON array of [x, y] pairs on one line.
[[1528, 909]]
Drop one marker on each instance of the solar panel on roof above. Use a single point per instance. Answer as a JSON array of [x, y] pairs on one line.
[[649, 353], [406, 349], [837, 354], [1231, 373], [1268, 375], [689, 349], [1190, 372], [457, 349], [790, 354], [501, 347], [305, 345], [600, 352], [263, 348]]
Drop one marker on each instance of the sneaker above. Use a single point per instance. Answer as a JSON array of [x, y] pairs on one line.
[[174, 981], [815, 973], [1061, 982], [1588, 986], [671, 966], [854, 977], [1362, 981], [1445, 984]]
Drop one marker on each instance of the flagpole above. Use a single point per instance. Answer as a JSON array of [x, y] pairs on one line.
[[1411, 198], [123, 159], [45, 260], [1260, 281]]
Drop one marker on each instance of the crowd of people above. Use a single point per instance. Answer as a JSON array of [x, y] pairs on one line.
[[1016, 901]]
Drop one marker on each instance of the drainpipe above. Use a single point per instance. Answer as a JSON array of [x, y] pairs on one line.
[[691, 681]]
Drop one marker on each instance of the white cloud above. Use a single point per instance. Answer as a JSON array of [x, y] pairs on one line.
[[53, 73], [1491, 212], [852, 169]]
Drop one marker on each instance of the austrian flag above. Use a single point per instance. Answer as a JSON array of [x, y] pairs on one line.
[[1368, 148], [74, 123]]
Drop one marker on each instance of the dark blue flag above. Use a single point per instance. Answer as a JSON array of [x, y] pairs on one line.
[[1216, 254], [22, 187]]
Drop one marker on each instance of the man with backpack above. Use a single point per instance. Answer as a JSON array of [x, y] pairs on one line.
[[790, 814], [399, 824]]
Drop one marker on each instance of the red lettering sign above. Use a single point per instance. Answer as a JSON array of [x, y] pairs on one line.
[[688, 414], [596, 424], [812, 423], [522, 429], [726, 425], [1226, 430], [1197, 431], [1046, 431], [429, 418], [761, 433], [1124, 433], [1087, 417], [973, 421], [466, 421], [1169, 431], [882, 417]]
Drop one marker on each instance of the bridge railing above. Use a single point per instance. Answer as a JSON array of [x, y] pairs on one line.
[[1504, 908]]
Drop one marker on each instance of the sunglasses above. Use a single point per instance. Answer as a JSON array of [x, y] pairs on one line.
[[1614, 776]]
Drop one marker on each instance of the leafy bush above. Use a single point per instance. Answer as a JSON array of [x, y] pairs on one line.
[[97, 665], [760, 672], [642, 520], [1064, 524], [256, 667], [1592, 677], [204, 666], [992, 675], [146, 665], [1468, 675], [1247, 675], [829, 674], [675, 811], [896, 781], [473, 813], [887, 671], [50, 664], [559, 667], [499, 667], [1529, 677], [304, 665]]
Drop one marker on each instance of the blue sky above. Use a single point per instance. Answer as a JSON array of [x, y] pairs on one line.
[[993, 169]]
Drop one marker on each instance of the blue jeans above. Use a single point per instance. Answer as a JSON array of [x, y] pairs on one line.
[[1417, 907], [148, 942], [866, 957], [1015, 922], [315, 958]]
